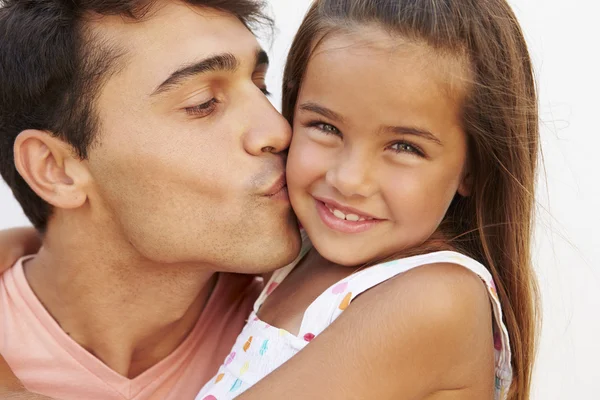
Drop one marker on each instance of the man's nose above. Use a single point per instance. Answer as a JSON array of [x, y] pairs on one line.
[[268, 131]]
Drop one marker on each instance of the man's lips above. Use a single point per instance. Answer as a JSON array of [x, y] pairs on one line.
[[278, 186]]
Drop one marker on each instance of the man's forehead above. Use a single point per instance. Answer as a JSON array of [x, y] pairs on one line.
[[172, 35]]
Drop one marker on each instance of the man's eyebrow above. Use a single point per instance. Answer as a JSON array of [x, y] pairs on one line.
[[324, 111], [226, 62], [409, 130]]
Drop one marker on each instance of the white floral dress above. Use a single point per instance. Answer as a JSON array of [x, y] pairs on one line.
[[261, 348]]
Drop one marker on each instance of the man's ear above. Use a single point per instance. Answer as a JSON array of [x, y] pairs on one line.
[[51, 168]]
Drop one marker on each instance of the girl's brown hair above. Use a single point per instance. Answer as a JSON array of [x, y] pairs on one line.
[[500, 118]]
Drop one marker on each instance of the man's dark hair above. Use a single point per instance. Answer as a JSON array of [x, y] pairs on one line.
[[51, 68]]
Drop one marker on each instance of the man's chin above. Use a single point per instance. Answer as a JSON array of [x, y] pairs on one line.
[[269, 256]]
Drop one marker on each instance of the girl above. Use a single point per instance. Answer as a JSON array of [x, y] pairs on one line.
[[415, 140], [411, 170]]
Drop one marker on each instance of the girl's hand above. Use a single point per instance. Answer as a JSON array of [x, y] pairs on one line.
[[16, 243]]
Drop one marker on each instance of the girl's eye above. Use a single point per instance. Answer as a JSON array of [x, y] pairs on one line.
[[403, 147], [265, 91], [327, 128], [202, 110]]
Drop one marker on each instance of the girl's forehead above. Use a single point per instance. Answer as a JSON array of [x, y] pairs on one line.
[[369, 38], [370, 51]]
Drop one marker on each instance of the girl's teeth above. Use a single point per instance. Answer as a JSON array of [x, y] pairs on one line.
[[348, 217], [352, 217], [339, 214]]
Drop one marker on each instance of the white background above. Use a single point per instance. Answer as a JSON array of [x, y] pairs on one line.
[[563, 40]]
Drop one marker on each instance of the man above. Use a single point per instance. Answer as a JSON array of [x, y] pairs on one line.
[[137, 137]]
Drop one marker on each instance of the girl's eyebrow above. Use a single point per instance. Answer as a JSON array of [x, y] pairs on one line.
[[324, 111], [400, 130], [409, 130]]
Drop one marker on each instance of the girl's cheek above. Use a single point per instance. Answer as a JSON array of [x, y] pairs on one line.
[[307, 161]]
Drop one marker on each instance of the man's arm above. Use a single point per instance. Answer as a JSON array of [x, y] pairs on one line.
[[11, 388], [407, 339], [8, 381], [16, 243]]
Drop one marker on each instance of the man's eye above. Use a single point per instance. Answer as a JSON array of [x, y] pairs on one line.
[[202, 110]]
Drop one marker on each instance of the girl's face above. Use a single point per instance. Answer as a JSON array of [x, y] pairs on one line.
[[378, 151]]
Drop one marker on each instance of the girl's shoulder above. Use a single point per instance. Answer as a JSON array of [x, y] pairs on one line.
[[441, 276], [436, 302], [439, 294], [444, 287], [437, 315], [437, 274]]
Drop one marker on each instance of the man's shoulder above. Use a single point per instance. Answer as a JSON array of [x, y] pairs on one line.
[[11, 281], [11, 299]]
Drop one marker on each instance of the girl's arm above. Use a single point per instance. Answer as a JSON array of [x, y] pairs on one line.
[[16, 243], [422, 333]]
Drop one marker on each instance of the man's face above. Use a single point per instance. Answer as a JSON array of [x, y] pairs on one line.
[[188, 161]]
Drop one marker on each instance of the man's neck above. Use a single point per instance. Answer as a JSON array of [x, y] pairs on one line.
[[127, 311]]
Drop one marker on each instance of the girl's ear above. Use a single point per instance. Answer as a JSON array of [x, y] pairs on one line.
[[466, 185]]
